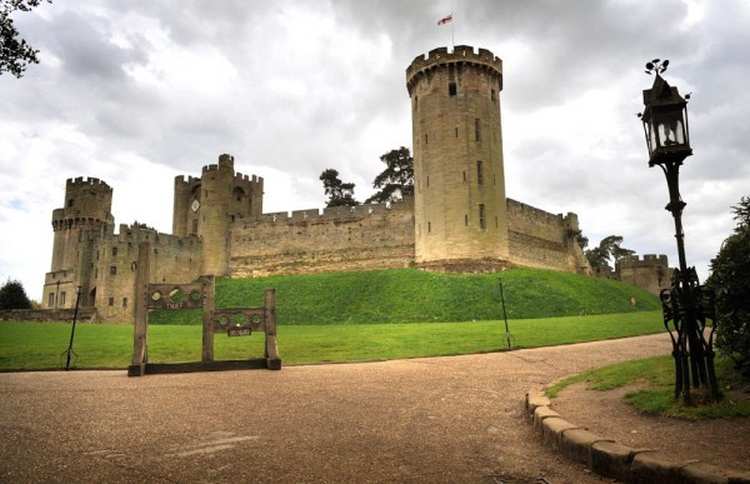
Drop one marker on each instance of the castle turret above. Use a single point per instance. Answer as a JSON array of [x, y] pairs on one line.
[[460, 209], [215, 205], [88, 203], [87, 207]]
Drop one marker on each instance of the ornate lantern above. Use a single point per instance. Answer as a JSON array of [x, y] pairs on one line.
[[665, 119]]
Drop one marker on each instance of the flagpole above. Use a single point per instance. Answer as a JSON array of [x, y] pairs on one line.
[[453, 44]]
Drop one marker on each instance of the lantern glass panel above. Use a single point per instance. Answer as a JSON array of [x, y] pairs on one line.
[[651, 137], [671, 132]]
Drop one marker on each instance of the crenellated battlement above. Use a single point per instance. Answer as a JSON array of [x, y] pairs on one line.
[[332, 213], [83, 181], [648, 260], [138, 232], [253, 179], [191, 180], [208, 168], [516, 206], [461, 54]]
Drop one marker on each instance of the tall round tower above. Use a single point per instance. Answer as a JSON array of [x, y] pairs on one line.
[[460, 207], [88, 203], [213, 211]]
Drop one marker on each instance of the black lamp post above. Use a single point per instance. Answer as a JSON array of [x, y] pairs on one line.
[[687, 304]]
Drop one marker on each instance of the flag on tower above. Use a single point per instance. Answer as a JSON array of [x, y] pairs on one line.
[[445, 20]]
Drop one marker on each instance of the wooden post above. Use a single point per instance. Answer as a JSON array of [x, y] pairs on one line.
[[140, 330], [208, 325], [273, 362]]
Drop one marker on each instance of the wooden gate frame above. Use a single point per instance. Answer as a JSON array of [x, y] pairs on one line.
[[198, 295]]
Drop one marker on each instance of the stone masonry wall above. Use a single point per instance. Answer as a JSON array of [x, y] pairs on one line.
[[651, 273], [541, 239], [341, 238], [173, 259]]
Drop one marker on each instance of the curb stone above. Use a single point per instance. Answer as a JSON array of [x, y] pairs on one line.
[[610, 459], [540, 414]]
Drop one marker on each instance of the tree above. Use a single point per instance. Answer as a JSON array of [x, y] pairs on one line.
[[339, 193], [730, 280], [397, 180], [12, 296], [609, 248], [15, 52]]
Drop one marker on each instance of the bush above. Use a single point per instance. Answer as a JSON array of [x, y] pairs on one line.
[[730, 278], [12, 296]]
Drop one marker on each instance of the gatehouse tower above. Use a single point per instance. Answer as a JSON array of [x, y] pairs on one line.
[[460, 206]]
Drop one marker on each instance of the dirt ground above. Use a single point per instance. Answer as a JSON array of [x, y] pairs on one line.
[[723, 442], [453, 419]]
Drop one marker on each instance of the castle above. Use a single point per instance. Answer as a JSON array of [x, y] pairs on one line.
[[458, 219]]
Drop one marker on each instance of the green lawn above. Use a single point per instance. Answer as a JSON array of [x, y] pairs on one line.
[[657, 375], [410, 295], [40, 345]]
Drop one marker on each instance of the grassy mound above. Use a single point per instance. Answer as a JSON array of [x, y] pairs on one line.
[[410, 295]]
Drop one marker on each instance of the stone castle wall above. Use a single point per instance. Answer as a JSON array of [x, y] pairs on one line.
[[542, 239], [174, 259], [651, 273], [339, 238]]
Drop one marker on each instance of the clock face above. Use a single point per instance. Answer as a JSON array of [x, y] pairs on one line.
[[195, 206]]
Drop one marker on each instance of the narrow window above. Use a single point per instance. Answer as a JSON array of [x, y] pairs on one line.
[[232, 217], [477, 130], [124, 302], [113, 270], [456, 132], [492, 95], [114, 251], [428, 181], [416, 101], [481, 216], [466, 219], [496, 222], [464, 177], [195, 226], [494, 181], [70, 203], [480, 175], [156, 251], [425, 138], [62, 298], [429, 227], [51, 299], [111, 301], [451, 89]]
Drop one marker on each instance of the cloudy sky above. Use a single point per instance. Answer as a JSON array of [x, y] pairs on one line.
[[137, 92]]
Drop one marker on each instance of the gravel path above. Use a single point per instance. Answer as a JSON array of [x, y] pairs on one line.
[[452, 419]]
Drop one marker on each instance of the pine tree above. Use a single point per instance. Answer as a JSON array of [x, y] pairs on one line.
[[13, 296]]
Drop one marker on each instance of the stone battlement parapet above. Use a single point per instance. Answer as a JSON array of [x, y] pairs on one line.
[[463, 54], [239, 177], [648, 260], [180, 180], [211, 167], [91, 181], [514, 205], [332, 213], [141, 232]]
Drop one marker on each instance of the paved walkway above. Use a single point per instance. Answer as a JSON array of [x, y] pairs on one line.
[[452, 419]]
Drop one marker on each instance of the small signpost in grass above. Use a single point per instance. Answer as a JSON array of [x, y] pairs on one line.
[[505, 314], [69, 353]]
